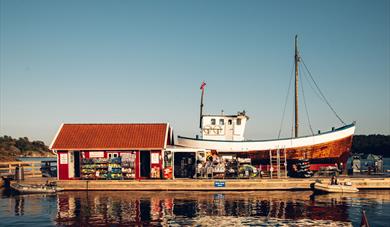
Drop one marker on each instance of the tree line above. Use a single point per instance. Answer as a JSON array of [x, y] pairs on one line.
[[10, 148], [371, 144]]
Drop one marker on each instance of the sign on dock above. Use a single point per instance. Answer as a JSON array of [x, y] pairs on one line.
[[219, 184]]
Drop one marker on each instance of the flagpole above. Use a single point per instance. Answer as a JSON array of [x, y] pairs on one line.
[[201, 104]]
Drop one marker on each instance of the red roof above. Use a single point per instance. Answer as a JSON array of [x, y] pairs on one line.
[[110, 137]]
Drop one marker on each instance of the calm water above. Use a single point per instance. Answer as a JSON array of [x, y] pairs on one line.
[[194, 209]]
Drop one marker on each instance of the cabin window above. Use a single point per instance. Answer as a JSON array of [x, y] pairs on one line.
[[238, 121], [230, 122], [212, 121], [221, 121]]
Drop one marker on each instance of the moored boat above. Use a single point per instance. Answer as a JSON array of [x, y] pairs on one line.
[[320, 187], [35, 188], [225, 134]]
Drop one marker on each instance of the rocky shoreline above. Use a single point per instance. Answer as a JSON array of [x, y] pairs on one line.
[[11, 148]]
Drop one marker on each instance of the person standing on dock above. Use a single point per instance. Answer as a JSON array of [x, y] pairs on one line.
[[333, 180]]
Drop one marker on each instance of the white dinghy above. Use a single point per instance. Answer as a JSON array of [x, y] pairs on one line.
[[35, 188], [346, 187]]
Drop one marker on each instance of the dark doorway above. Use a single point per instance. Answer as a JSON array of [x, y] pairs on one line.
[[184, 164], [145, 163], [76, 163]]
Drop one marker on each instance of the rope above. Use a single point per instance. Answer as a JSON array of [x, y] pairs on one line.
[[285, 102], [304, 102], [292, 124], [322, 95], [311, 86]]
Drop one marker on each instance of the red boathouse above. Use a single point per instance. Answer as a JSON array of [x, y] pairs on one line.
[[111, 151]]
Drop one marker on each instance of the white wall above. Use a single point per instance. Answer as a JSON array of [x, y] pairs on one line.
[[225, 131]]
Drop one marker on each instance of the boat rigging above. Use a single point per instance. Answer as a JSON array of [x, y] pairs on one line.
[[298, 79]]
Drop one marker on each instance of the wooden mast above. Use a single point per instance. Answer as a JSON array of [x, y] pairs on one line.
[[296, 85]]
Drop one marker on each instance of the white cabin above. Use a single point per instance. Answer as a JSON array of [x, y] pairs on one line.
[[224, 127]]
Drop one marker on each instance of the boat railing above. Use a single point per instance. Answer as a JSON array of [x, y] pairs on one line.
[[31, 169]]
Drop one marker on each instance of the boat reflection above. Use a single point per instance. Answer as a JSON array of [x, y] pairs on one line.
[[26, 205], [189, 208]]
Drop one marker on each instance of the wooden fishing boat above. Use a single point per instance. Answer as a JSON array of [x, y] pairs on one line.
[[225, 134], [320, 187], [35, 188]]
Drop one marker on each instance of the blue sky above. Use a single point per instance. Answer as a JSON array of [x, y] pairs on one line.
[[143, 61]]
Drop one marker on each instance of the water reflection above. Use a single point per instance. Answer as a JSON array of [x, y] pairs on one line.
[[170, 208], [19, 206], [198, 208]]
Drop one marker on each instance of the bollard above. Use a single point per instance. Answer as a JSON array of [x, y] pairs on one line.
[[19, 173]]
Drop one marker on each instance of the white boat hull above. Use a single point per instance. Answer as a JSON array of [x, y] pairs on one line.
[[327, 188], [32, 189]]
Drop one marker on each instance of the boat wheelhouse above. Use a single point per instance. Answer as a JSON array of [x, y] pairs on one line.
[[224, 127]]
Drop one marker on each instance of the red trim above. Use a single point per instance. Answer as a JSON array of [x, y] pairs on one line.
[[63, 169], [316, 167]]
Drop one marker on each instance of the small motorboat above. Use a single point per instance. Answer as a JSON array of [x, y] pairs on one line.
[[346, 187], [35, 188]]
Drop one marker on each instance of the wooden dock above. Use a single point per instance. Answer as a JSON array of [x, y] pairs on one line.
[[216, 185], [30, 169], [206, 185]]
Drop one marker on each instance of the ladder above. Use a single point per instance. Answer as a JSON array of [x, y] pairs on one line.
[[278, 163]]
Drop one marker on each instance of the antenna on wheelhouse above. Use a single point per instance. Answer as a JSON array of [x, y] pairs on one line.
[[201, 104], [296, 60]]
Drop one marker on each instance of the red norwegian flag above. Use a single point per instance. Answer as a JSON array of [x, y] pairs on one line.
[[202, 86]]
